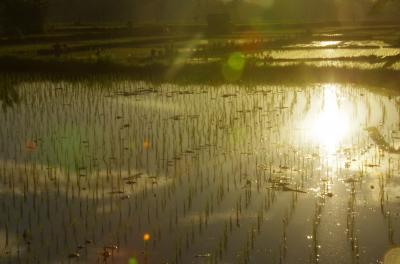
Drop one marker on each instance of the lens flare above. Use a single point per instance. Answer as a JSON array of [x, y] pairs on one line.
[[133, 261], [233, 68], [146, 144]]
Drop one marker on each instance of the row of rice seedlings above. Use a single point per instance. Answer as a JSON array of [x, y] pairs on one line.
[[120, 166]]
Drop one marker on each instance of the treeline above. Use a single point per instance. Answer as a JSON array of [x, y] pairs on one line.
[[22, 16], [82, 11], [242, 11], [29, 16]]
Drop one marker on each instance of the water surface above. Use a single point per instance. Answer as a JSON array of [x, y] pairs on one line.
[[112, 171]]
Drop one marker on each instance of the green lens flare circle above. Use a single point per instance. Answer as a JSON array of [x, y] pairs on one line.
[[233, 68], [236, 61]]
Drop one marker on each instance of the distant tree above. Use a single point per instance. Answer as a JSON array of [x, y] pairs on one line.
[[23, 16], [162, 5], [379, 5], [236, 4]]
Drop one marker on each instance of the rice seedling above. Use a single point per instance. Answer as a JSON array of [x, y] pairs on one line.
[[113, 170]]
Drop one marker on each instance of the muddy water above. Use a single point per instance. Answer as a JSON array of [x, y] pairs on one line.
[[132, 172]]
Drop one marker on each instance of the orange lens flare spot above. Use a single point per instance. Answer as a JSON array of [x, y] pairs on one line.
[[146, 237], [146, 144], [30, 145]]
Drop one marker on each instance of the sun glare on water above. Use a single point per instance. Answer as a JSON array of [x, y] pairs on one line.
[[331, 124], [327, 43]]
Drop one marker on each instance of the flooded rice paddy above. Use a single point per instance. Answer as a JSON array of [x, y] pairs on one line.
[[342, 44], [333, 53], [348, 54], [134, 172]]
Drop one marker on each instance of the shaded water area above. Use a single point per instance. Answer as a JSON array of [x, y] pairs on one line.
[[120, 171]]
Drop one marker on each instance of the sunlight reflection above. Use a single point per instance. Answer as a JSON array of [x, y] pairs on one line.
[[331, 124], [326, 43]]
